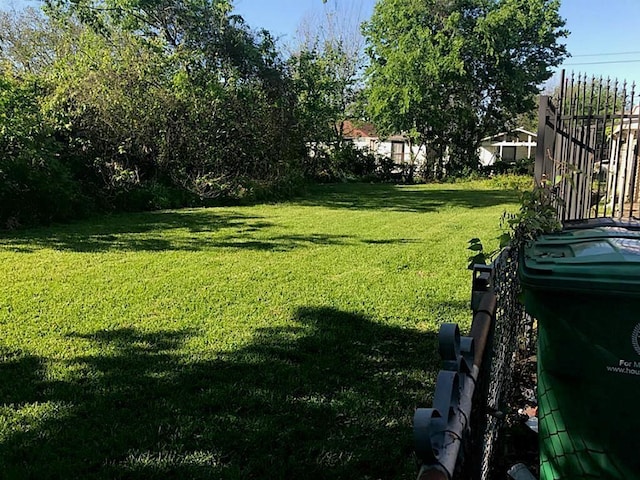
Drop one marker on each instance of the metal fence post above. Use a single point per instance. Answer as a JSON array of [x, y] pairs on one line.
[[543, 110]]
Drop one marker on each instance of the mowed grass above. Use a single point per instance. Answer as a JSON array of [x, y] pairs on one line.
[[290, 340]]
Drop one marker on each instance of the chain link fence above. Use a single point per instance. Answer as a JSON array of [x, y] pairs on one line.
[[479, 389], [511, 340]]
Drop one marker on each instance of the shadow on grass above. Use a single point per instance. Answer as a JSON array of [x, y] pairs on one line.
[[145, 231], [152, 232], [216, 228], [331, 397], [404, 198]]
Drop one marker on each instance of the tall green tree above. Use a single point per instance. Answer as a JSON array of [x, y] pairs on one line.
[[327, 62], [182, 90], [139, 104], [448, 72], [327, 87]]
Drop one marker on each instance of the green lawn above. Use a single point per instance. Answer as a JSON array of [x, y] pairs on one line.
[[290, 340]]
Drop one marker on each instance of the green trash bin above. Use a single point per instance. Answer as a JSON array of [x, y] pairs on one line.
[[583, 287]]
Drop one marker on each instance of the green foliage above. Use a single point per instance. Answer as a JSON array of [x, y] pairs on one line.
[[522, 166], [386, 167], [519, 183], [36, 184], [538, 214], [479, 256], [318, 111], [28, 40], [326, 65], [528, 119], [134, 100], [345, 162], [152, 195], [326, 82], [449, 72]]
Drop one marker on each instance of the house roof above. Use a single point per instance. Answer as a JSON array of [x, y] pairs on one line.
[[521, 130], [362, 130], [367, 130]]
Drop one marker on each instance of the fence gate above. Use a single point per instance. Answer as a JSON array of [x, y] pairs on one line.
[[587, 147]]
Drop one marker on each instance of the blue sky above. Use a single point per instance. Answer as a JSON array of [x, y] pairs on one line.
[[282, 17], [600, 27], [601, 30]]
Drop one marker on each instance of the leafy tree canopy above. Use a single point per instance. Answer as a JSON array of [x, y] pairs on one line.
[[448, 72], [327, 65], [140, 104]]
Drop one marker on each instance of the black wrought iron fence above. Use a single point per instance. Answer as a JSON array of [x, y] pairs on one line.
[[587, 147]]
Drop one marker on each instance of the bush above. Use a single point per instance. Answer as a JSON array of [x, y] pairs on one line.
[[153, 195], [523, 166], [36, 182], [34, 191], [342, 162], [385, 169]]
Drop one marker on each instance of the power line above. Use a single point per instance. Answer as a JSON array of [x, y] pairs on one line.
[[601, 63], [604, 54]]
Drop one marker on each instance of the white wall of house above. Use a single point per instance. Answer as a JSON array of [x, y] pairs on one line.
[[510, 146], [396, 148]]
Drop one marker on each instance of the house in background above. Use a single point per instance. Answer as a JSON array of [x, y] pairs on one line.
[[623, 165], [395, 147], [508, 146]]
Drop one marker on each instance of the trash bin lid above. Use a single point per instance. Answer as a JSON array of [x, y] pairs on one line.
[[602, 258]]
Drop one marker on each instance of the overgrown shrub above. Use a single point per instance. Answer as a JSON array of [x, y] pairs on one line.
[[341, 162], [523, 166], [153, 195], [350, 161], [118, 116], [36, 185]]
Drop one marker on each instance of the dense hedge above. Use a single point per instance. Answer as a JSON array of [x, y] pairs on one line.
[[151, 106]]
